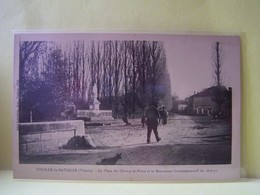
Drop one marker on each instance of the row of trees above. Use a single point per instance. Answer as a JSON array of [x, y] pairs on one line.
[[128, 75]]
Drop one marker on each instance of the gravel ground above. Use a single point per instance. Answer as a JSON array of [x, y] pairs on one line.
[[186, 140], [179, 130]]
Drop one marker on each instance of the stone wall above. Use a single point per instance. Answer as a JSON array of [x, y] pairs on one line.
[[45, 136]]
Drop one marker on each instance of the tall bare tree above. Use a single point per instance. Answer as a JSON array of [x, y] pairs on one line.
[[125, 78], [217, 64]]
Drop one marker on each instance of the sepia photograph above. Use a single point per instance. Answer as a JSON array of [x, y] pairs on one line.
[[152, 105]]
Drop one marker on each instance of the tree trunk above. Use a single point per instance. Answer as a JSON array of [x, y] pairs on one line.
[[134, 78], [125, 76]]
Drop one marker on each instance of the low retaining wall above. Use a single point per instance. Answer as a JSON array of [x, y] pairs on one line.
[[46, 136]]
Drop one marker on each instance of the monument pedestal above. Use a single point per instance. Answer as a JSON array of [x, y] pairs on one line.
[[94, 105], [94, 113]]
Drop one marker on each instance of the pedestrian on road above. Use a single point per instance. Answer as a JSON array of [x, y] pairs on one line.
[[143, 119], [152, 118], [163, 115]]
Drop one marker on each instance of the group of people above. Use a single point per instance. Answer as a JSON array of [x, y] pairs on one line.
[[152, 117]]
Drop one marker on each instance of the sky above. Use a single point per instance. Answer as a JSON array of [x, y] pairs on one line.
[[190, 62]]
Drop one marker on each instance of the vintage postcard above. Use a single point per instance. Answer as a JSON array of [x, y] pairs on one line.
[[126, 107]]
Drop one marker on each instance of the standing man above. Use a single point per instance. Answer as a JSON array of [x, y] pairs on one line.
[[152, 117], [163, 115], [143, 119]]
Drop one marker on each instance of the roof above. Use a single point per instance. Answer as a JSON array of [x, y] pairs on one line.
[[210, 91]]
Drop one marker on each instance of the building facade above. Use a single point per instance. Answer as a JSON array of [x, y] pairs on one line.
[[210, 101]]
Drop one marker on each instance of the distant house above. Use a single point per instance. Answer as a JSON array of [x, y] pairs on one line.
[[210, 101], [182, 107]]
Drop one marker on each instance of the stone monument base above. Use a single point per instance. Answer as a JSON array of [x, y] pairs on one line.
[[40, 137], [95, 115]]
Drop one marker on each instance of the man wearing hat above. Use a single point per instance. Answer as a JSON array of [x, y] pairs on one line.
[[152, 117]]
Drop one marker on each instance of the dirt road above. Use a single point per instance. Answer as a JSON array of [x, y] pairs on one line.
[[186, 140]]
